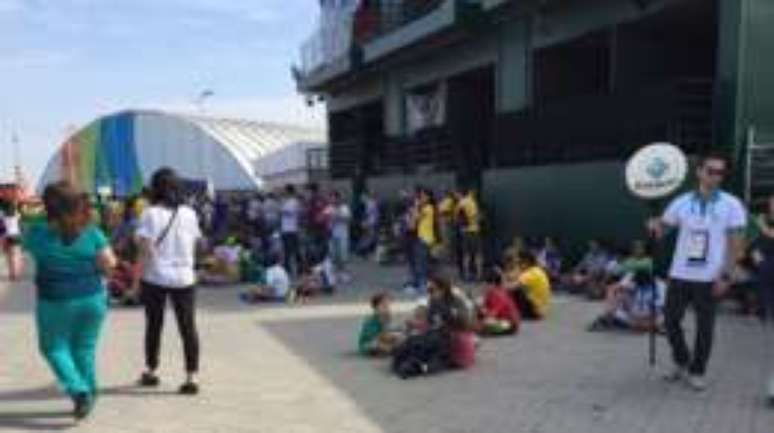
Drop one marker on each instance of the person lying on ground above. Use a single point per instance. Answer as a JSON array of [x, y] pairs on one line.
[[376, 338]]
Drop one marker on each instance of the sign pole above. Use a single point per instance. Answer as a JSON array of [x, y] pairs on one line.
[[652, 174]]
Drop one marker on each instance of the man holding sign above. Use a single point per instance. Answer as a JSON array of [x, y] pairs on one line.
[[710, 224]]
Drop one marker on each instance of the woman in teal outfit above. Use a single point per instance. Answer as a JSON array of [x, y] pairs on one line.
[[72, 256]]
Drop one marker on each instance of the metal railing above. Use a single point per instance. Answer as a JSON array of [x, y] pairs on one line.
[[357, 23], [759, 170]]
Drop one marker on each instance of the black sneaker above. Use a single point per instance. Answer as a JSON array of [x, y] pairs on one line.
[[189, 388], [83, 404], [149, 380]]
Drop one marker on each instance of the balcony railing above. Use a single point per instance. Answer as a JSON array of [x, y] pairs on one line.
[[376, 18], [355, 24]]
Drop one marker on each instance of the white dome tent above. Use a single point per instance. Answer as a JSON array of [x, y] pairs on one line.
[[121, 151]]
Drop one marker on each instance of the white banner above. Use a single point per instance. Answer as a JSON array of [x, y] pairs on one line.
[[426, 109]]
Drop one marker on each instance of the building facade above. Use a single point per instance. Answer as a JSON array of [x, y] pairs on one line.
[[538, 103]]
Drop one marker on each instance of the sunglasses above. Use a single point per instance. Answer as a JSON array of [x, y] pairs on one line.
[[716, 171]]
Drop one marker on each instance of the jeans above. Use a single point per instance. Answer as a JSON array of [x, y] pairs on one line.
[[184, 303], [339, 247], [421, 265], [68, 332], [681, 294], [291, 246]]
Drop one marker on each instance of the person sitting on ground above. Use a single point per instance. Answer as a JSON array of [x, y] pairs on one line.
[[222, 267], [532, 290], [590, 271], [376, 338], [550, 258], [498, 314], [276, 287], [630, 308], [419, 322], [316, 279], [453, 313]]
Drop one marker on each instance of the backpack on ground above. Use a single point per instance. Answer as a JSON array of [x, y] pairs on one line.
[[427, 353]]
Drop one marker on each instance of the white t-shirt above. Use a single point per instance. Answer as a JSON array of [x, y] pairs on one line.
[[702, 241], [278, 280], [12, 228], [171, 263], [290, 213], [340, 218]]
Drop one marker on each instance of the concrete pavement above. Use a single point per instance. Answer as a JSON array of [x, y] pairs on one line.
[[293, 369]]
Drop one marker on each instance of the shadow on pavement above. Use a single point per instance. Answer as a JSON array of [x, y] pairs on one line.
[[35, 394], [133, 390], [35, 421]]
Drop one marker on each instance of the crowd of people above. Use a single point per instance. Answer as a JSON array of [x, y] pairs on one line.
[[291, 246]]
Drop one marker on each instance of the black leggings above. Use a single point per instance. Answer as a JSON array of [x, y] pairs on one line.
[[183, 302]]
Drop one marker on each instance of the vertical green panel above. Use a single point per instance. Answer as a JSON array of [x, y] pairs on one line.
[[573, 203], [87, 142], [512, 76]]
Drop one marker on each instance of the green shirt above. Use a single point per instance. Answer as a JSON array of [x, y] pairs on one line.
[[369, 332], [633, 265], [65, 271]]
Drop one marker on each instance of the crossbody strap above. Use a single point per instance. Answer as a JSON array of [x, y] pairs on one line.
[[166, 230]]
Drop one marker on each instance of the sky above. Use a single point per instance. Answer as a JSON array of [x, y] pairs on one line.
[[64, 63]]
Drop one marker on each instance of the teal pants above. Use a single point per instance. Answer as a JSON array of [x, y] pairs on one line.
[[68, 331]]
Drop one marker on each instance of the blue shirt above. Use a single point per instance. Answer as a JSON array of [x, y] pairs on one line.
[[65, 272]]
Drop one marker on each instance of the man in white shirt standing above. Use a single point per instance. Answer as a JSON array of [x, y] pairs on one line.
[[710, 224], [290, 214]]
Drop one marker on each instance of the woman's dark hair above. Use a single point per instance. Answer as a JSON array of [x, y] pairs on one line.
[[527, 258], [378, 298], [165, 188], [64, 205], [442, 282], [493, 276]]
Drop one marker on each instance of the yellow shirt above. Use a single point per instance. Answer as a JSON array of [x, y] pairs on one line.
[[537, 287], [446, 209], [469, 207], [426, 225]]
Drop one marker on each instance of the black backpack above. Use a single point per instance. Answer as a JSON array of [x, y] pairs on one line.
[[427, 353]]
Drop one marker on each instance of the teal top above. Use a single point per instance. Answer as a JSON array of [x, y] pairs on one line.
[[65, 272], [370, 330]]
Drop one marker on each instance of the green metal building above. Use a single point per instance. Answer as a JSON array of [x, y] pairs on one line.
[[539, 102]]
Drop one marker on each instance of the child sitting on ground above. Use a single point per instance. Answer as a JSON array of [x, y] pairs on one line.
[[498, 314], [376, 338], [276, 287], [315, 280], [419, 322]]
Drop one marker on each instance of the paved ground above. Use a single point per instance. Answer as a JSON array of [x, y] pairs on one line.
[[292, 369]]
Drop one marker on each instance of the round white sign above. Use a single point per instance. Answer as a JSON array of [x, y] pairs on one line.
[[656, 171]]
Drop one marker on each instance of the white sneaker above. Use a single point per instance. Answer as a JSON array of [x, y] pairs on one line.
[[677, 375], [697, 383]]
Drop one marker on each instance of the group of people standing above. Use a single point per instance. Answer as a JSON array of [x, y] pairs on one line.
[[445, 232]]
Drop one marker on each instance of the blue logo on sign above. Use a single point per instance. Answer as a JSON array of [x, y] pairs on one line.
[[657, 168]]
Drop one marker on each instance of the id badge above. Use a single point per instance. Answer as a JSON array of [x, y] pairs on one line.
[[698, 247]]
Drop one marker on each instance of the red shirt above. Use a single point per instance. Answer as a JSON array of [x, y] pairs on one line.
[[499, 305]]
